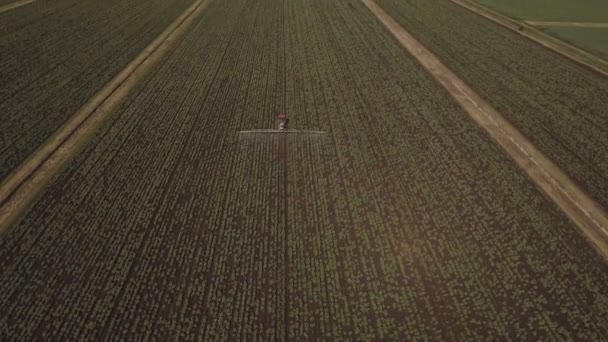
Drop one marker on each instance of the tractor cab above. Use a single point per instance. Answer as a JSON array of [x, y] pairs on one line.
[[282, 122]]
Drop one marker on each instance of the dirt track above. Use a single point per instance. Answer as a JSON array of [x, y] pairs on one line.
[[22, 187], [580, 208]]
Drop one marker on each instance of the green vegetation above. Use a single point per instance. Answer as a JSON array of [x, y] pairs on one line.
[[594, 40], [405, 222], [551, 10], [61, 53], [561, 107]]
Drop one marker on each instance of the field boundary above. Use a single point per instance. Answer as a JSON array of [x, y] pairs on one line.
[[580, 56], [566, 24], [25, 184], [14, 5], [569, 197]]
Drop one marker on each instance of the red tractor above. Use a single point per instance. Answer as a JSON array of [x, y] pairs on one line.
[[282, 122]]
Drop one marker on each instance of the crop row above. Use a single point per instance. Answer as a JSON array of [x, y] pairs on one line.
[[405, 221], [168, 162], [455, 184], [561, 107], [120, 178], [417, 190], [58, 55]]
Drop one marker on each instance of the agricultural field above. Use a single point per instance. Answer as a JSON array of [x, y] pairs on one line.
[[56, 54], [561, 107], [565, 19], [591, 39], [405, 221], [551, 10]]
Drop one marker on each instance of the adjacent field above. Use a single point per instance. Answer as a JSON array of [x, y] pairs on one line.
[[566, 11], [591, 39], [551, 10], [61, 53], [561, 107], [404, 222]]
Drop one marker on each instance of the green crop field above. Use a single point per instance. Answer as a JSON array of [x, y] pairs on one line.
[[404, 222], [594, 40], [60, 53], [551, 10]]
